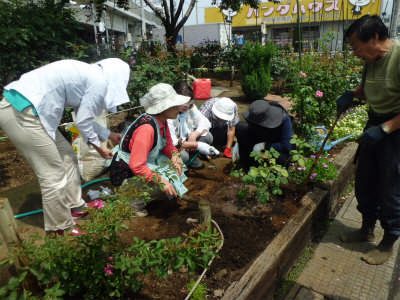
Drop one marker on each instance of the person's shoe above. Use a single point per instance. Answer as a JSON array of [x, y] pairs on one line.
[[78, 212], [364, 234], [77, 215], [382, 252], [196, 164]]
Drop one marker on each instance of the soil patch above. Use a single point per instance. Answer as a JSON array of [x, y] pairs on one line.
[[247, 228]]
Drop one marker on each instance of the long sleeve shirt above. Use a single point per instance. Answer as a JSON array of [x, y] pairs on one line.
[[196, 122], [71, 83], [283, 145], [141, 144]]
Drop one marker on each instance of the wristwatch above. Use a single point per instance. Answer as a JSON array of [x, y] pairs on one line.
[[385, 128]]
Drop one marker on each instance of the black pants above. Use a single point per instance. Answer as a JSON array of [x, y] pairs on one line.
[[219, 131], [377, 183], [248, 135]]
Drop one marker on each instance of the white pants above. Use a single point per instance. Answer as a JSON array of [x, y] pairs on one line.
[[54, 163]]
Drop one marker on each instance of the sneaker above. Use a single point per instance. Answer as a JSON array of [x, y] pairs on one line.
[[196, 164], [78, 215], [77, 212]]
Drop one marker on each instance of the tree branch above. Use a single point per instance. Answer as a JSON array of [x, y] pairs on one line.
[[159, 13], [186, 16], [166, 11]]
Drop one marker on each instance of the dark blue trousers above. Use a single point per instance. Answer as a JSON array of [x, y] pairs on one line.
[[377, 183]]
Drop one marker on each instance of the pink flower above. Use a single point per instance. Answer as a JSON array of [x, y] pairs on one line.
[[319, 94], [302, 74], [99, 204], [324, 165], [110, 258], [109, 269], [313, 175]]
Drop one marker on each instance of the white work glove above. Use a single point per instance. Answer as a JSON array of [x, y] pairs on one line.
[[259, 147], [207, 149]]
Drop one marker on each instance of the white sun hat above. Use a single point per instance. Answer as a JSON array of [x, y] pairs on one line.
[[117, 73], [224, 108], [160, 97]]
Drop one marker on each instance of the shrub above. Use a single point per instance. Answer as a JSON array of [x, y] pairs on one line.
[[75, 267], [33, 34], [152, 67], [317, 85], [255, 69]]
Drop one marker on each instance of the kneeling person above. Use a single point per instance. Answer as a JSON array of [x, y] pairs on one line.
[[268, 124], [146, 148]]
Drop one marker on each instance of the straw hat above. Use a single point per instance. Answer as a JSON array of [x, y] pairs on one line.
[[160, 97]]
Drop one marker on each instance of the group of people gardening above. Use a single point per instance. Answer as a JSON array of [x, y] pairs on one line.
[[173, 133]]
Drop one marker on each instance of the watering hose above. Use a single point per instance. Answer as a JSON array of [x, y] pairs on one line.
[[209, 263], [34, 212], [192, 159]]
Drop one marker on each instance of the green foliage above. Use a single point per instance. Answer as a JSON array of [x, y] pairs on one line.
[[135, 187], [156, 66], [231, 56], [206, 55], [34, 33], [79, 265], [199, 293], [267, 176], [353, 121], [255, 69], [302, 162], [329, 75]]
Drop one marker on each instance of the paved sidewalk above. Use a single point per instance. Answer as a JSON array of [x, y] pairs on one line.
[[336, 270]]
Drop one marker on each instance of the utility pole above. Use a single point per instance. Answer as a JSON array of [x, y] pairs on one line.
[[142, 13], [197, 13], [394, 18]]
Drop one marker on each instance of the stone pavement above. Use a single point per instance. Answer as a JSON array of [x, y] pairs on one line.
[[336, 271]]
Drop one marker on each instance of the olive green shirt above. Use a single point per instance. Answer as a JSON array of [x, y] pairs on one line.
[[381, 80]]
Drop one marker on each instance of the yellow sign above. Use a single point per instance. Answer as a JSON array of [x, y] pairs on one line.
[[286, 12]]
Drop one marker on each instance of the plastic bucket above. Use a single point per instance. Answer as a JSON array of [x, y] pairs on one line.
[[202, 89]]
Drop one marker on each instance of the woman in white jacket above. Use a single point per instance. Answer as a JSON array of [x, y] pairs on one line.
[[31, 112]]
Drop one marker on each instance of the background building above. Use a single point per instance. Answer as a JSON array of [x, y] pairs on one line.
[[324, 20]]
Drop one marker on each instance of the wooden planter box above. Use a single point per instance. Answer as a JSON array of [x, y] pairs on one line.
[[261, 279]]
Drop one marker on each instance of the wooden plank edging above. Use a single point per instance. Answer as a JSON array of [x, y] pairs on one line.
[[257, 282], [260, 280]]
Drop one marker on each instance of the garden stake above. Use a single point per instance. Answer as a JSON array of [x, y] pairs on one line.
[[319, 153]]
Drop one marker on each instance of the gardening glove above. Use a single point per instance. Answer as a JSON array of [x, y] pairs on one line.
[[207, 149], [344, 101], [259, 147], [372, 135], [227, 152]]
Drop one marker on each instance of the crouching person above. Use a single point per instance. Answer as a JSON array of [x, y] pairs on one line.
[[190, 130], [146, 147], [267, 126]]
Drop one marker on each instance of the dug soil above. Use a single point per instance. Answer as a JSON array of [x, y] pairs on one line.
[[247, 226]]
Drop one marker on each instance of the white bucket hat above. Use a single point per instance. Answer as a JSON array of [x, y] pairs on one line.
[[160, 97], [116, 72], [224, 108]]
